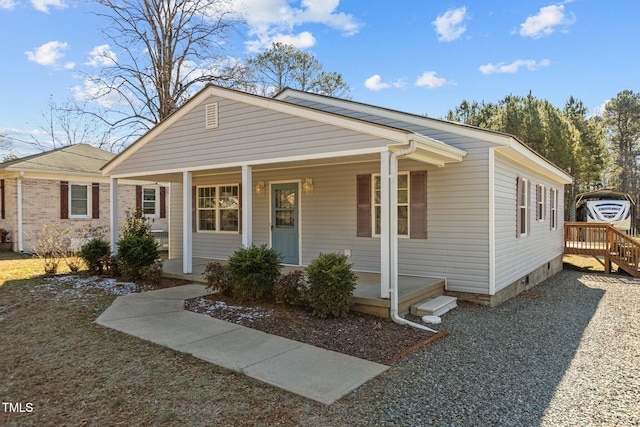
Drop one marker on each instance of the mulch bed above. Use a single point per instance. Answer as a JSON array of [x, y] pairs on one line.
[[359, 335]]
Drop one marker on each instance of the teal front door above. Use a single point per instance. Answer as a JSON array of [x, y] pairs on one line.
[[285, 225]]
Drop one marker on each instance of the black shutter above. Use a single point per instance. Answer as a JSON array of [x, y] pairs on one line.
[[418, 205], [95, 200], [364, 205], [64, 199]]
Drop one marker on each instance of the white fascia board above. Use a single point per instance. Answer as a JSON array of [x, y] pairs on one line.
[[438, 148], [380, 131], [522, 155], [258, 162]]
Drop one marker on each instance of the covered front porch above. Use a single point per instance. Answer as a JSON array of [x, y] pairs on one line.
[[366, 296]]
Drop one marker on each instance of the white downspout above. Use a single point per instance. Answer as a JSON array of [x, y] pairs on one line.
[[393, 218]]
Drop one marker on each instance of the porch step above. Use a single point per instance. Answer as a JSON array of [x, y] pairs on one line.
[[435, 306]]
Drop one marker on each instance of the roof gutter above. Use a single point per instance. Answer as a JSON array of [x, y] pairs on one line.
[[393, 252]]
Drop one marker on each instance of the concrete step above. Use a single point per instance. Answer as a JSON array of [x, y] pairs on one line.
[[434, 306]]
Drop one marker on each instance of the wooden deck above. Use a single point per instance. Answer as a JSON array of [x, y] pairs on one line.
[[605, 243], [366, 296]]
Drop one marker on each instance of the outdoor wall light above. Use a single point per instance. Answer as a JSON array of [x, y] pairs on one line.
[[260, 188], [307, 186]]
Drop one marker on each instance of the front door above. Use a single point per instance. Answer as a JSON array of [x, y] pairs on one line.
[[284, 221]]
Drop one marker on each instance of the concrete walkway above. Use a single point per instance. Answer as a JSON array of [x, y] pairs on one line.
[[159, 316]]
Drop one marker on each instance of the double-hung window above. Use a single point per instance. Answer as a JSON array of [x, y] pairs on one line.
[[403, 204], [523, 207], [150, 202], [79, 201], [218, 208]]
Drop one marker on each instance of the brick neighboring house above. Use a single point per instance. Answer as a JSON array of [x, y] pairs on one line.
[[65, 187]]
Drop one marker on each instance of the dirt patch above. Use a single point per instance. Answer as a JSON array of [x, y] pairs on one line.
[[359, 335]]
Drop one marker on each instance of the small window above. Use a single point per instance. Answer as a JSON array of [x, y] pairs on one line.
[[554, 208], [150, 202], [211, 116], [540, 202], [523, 207], [79, 201], [218, 208], [403, 204]]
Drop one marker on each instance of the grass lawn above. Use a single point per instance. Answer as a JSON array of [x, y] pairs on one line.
[[75, 372]]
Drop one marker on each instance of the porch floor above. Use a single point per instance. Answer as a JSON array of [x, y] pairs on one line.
[[366, 296]]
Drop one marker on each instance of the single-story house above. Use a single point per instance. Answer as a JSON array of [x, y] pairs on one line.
[[400, 194], [66, 187]]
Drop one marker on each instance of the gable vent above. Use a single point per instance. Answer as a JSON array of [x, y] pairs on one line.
[[211, 116]]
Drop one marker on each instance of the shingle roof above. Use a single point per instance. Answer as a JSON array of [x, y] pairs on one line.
[[78, 158]]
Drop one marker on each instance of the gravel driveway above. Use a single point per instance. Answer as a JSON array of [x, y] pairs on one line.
[[566, 353]]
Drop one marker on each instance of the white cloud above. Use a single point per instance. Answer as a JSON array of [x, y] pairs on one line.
[[429, 79], [101, 56], [514, 67], [450, 26], [546, 21], [7, 4], [43, 5], [303, 40], [91, 91], [276, 20], [48, 54], [375, 83], [598, 110]]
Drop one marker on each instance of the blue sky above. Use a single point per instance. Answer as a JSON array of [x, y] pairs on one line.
[[422, 56]]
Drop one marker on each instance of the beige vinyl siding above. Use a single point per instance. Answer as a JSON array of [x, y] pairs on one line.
[[246, 133], [517, 257], [328, 220], [175, 220]]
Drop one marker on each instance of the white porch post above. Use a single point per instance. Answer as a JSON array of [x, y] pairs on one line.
[[187, 223], [385, 224], [113, 214], [247, 227], [20, 228]]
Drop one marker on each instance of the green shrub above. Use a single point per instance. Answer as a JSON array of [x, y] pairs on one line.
[[217, 279], [93, 253], [253, 271], [331, 285], [134, 253], [110, 264], [291, 288], [152, 273], [136, 224]]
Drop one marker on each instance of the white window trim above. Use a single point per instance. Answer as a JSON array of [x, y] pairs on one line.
[[217, 209], [374, 205], [541, 206], [156, 213], [553, 194], [89, 197], [524, 219]]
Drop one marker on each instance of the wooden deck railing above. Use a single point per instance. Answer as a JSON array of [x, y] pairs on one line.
[[603, 240]]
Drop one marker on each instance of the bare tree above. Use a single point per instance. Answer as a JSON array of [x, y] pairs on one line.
[[164, 50], [68, 124]]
